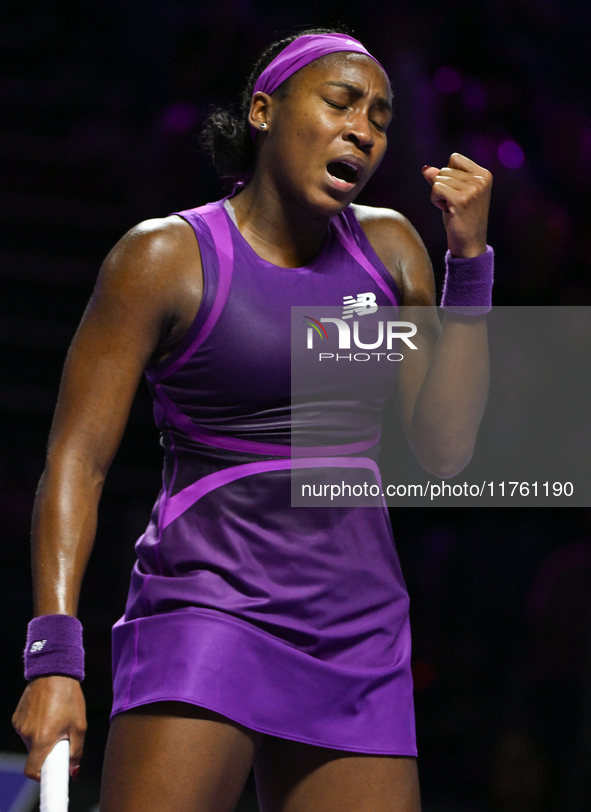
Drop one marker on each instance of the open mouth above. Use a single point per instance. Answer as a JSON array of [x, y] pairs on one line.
[[343, 171]]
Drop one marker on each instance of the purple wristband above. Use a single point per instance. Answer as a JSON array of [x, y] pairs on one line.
[[467, 290], [54, 646]]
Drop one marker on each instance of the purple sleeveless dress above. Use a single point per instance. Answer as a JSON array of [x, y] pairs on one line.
[[291, 621]]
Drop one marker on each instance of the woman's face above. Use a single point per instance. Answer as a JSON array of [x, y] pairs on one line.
[[327, 134]]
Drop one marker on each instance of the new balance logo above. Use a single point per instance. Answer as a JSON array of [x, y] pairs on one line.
[[37, 646], [363, 305]]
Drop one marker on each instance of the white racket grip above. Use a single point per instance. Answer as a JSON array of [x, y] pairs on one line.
[[55, 775]]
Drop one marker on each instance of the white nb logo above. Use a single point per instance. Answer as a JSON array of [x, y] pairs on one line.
[[37, 646], [363, 305]]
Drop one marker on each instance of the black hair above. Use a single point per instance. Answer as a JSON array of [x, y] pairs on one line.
[[226, 132]]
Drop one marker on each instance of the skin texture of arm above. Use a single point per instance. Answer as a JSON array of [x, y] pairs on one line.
[[146, 296], [443, 387]]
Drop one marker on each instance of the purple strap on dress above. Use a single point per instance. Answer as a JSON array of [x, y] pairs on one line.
[[183, 500], [350, 244], [215, 217]]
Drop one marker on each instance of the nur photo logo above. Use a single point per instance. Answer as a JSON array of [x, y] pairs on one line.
[[386, 333]]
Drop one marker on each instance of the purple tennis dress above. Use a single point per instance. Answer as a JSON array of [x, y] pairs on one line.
[[292, 621]]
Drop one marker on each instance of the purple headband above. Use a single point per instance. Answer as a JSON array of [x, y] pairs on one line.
[[300, 53]]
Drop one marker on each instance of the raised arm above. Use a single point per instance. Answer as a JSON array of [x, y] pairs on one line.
[[442, 387], [146, 296]]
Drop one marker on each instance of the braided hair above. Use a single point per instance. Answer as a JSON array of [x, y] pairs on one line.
[[226, 132]]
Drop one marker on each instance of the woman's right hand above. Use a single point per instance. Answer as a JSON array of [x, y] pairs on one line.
[[51, 709]]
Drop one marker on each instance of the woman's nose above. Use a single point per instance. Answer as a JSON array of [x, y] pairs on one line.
[[359, 131]]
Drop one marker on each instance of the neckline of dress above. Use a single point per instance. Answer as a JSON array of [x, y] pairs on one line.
[[231, 213]]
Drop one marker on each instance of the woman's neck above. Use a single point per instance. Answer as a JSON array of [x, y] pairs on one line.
[[278, 230]]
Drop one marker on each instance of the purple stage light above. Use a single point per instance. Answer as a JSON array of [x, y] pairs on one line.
[[179, 117], [447, 79], [474, 96], [510, 155]]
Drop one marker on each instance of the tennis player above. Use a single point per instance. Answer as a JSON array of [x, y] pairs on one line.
[[254, 632]]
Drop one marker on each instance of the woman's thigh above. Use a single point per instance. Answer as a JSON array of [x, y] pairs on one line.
[[295, 777], [175, 756]]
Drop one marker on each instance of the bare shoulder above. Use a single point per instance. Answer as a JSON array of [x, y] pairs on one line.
[[376, 214], [388, 231], [150, 284], [168, 231], [399, 246], [150, 250]]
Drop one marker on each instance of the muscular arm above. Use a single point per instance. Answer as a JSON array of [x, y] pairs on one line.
[[146, 295], [442, 387], [133, 314]]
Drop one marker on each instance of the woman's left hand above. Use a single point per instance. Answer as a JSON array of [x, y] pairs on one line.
[[462, 191]]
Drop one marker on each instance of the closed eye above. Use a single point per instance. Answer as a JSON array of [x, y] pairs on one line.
[[380, 127]]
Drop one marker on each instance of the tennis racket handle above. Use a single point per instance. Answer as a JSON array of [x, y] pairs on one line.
[[55, 774]]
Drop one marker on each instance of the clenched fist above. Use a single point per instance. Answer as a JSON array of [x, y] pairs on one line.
[[462, 191]]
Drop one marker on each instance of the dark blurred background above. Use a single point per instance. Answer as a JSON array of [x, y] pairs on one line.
[[100, 103]]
